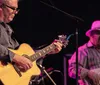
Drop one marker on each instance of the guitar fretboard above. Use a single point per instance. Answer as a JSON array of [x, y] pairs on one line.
[[42, 52]]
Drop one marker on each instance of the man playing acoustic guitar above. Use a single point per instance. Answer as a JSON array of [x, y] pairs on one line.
[[8, 10]]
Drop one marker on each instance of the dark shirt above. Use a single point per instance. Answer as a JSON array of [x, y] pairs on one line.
[[88, 59], [6, 41]]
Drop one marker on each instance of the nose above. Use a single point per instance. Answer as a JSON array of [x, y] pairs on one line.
[[15, 11]]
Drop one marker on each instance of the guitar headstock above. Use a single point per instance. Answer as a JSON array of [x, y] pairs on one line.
[[63, 39]]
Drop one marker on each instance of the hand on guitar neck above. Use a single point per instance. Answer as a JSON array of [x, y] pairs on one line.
[[61, 42], [58, 47]]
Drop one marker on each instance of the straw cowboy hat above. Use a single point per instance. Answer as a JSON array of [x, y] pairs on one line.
[[95, 27]]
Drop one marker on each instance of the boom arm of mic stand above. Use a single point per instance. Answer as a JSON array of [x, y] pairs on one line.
[[71, 16]]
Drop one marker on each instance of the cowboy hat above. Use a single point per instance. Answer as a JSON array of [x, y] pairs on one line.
[[94, 27]]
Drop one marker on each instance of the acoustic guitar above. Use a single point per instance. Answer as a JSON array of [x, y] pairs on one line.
[[10, 76]]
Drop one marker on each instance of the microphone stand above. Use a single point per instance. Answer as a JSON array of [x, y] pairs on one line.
[[77, 19], [76, 55], [43, 69]]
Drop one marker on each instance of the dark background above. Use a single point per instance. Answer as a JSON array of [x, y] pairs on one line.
[[38, 24]]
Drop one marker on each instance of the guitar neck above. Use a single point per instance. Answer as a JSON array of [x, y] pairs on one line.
[[42, 52]]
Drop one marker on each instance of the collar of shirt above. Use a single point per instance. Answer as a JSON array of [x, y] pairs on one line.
[[89, 44], [7, 27]]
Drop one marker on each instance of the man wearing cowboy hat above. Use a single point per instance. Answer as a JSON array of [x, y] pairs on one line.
[[88, 58]]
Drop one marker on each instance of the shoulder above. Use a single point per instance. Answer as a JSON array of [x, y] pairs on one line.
[[86, 46], [83, 47]]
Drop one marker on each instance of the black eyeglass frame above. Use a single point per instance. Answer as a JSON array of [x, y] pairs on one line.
[[13, 8]]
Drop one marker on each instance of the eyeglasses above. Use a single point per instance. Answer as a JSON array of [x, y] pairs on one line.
[[13, 8]]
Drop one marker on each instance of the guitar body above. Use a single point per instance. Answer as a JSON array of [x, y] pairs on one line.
[[9, 76]]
